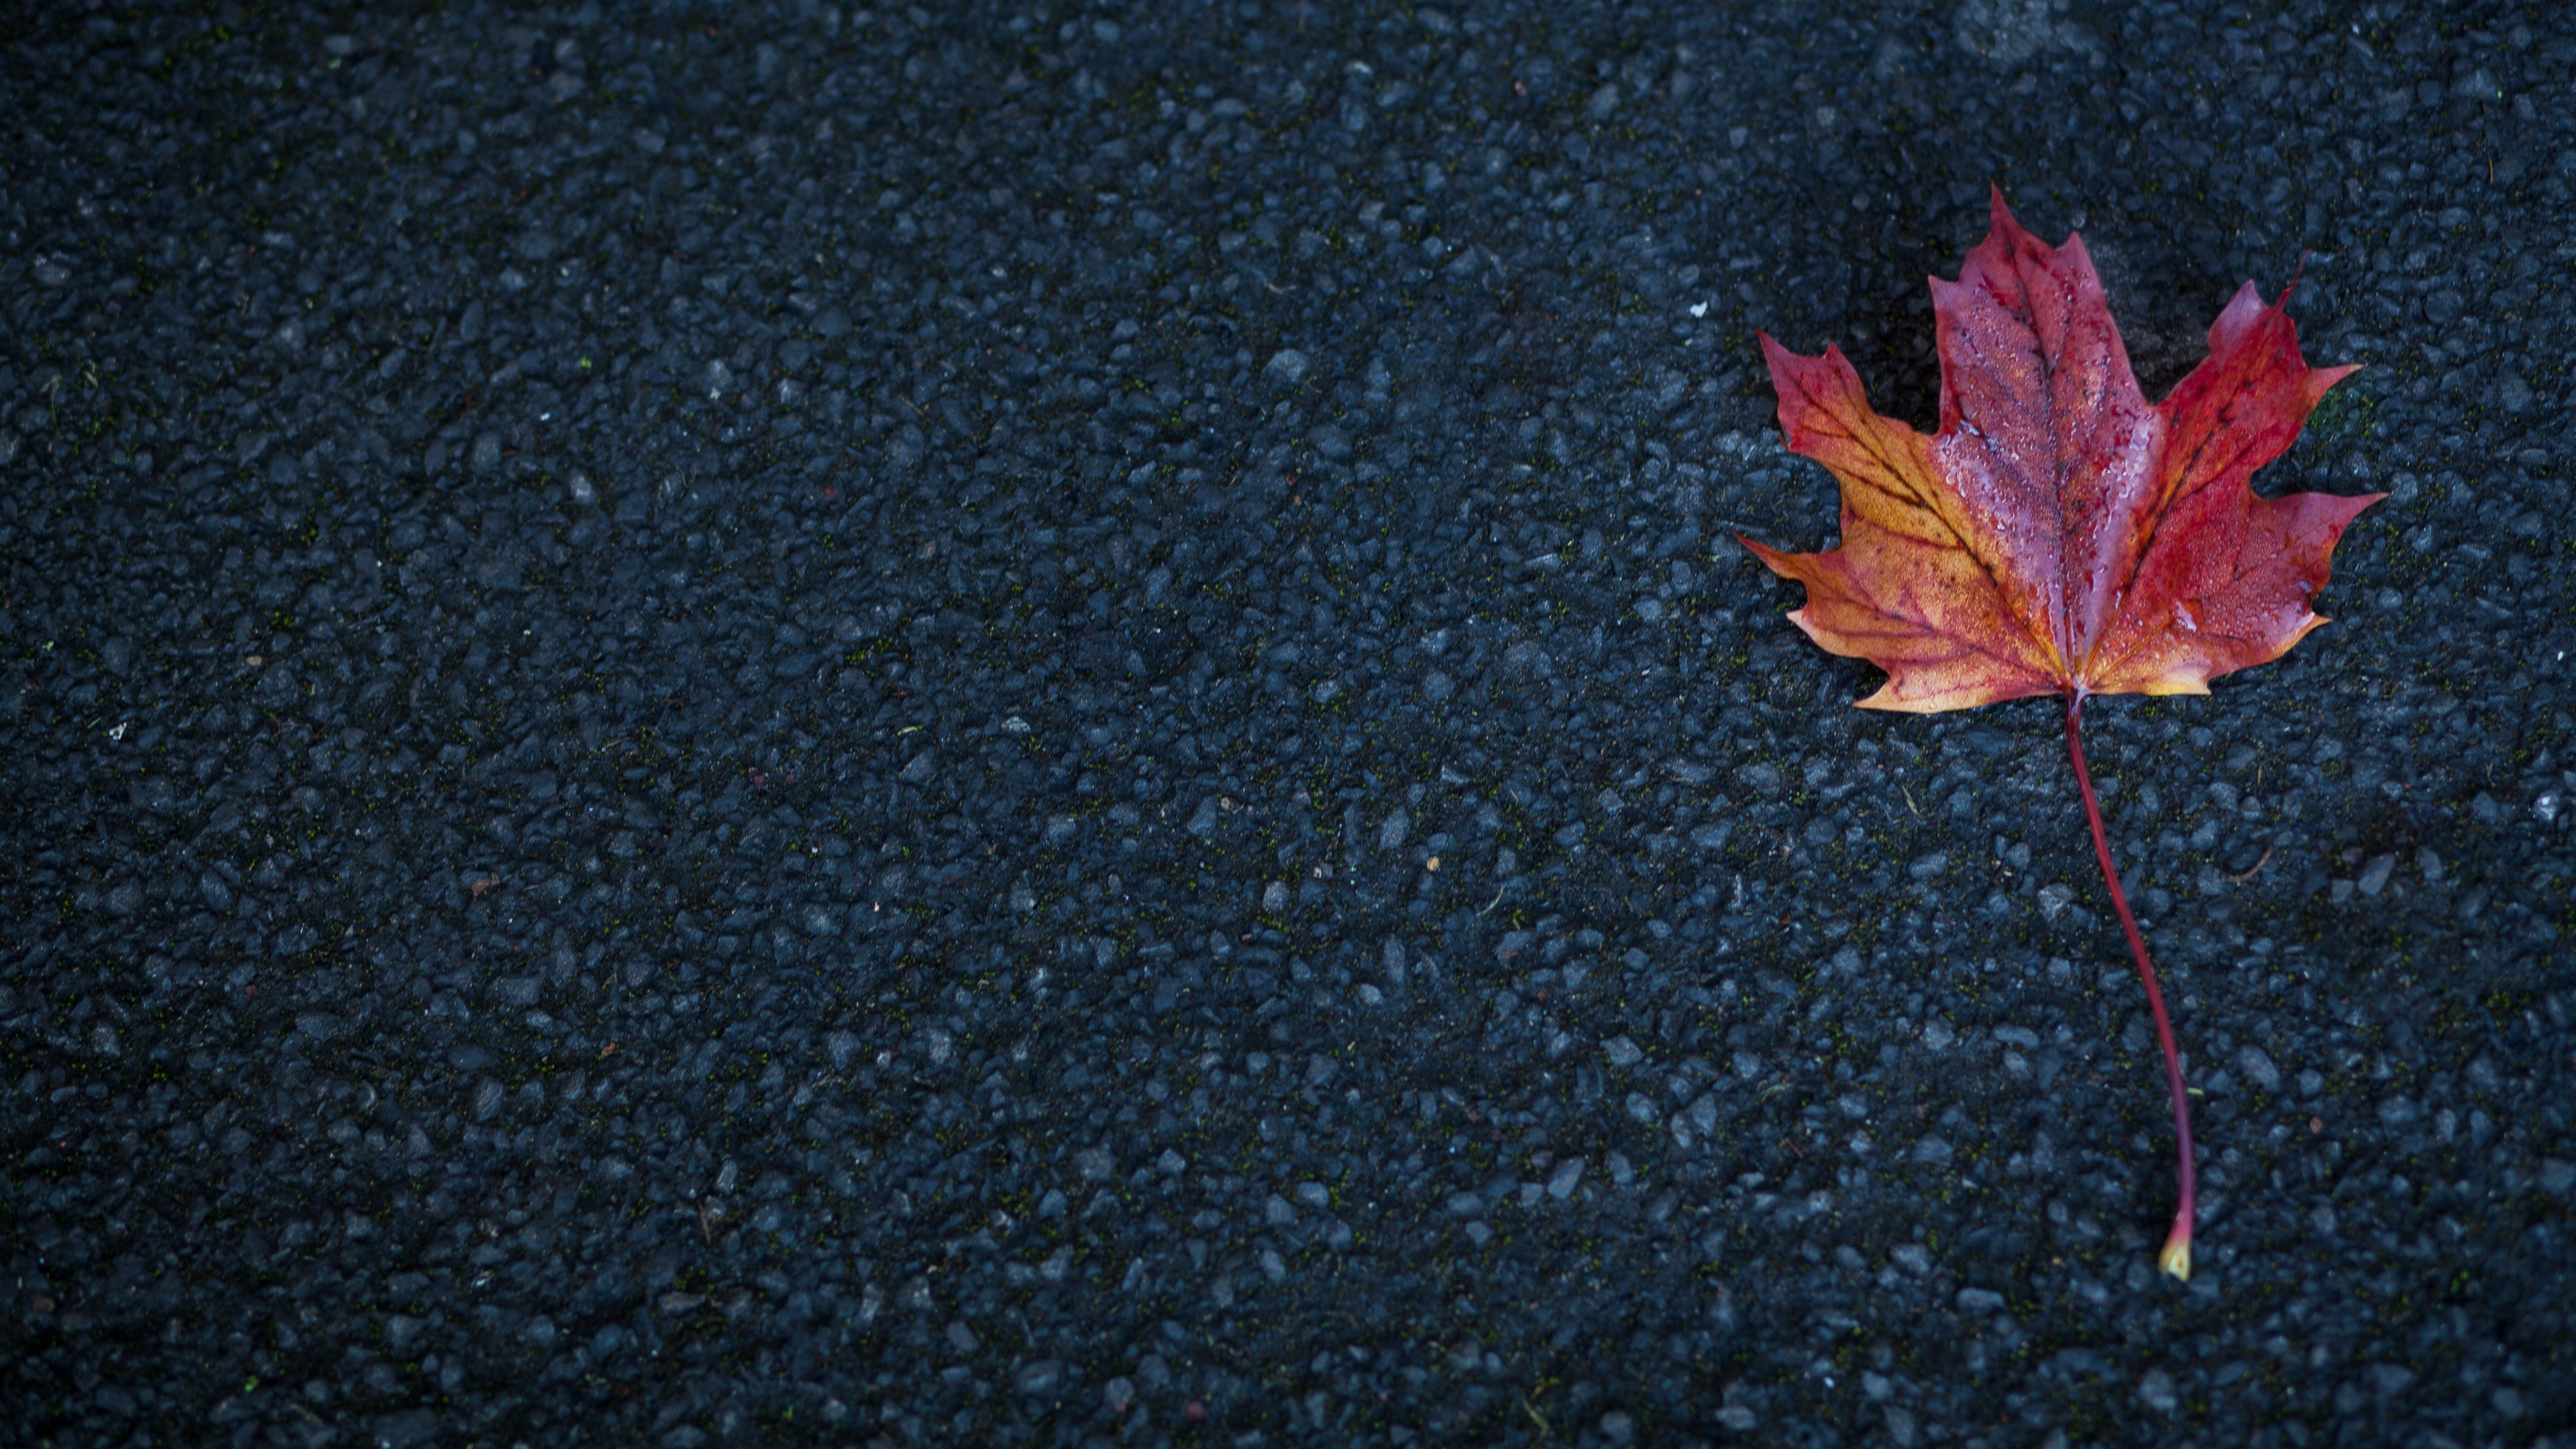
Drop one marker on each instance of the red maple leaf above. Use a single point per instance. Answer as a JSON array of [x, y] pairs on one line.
[[2057, 535]]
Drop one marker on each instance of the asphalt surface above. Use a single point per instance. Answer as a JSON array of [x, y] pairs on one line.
[[772, 723]]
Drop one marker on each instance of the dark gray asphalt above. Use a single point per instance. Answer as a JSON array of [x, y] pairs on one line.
[[772, 723]]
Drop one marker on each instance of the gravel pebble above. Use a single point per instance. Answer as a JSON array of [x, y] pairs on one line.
[[2156, 1391]]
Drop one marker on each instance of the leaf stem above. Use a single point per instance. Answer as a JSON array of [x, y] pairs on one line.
[[2176, 1257]]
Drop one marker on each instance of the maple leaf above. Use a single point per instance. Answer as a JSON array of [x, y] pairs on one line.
[[2057, 535]]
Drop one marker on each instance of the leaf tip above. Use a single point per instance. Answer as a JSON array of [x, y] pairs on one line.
[[2321, 379]]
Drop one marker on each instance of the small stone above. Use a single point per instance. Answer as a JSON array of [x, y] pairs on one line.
[[2374, 876], [1567, 1176], [2512, 393], [2256, 1065], [1391, 835], [1702, 1115], [1038, 1377], [962, 1338], [1529, 659], [1274, 897], [1623, 1052], [405, 1429], [2156, 1391], [2008, 32], [844, 1047], [1288, 367]]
